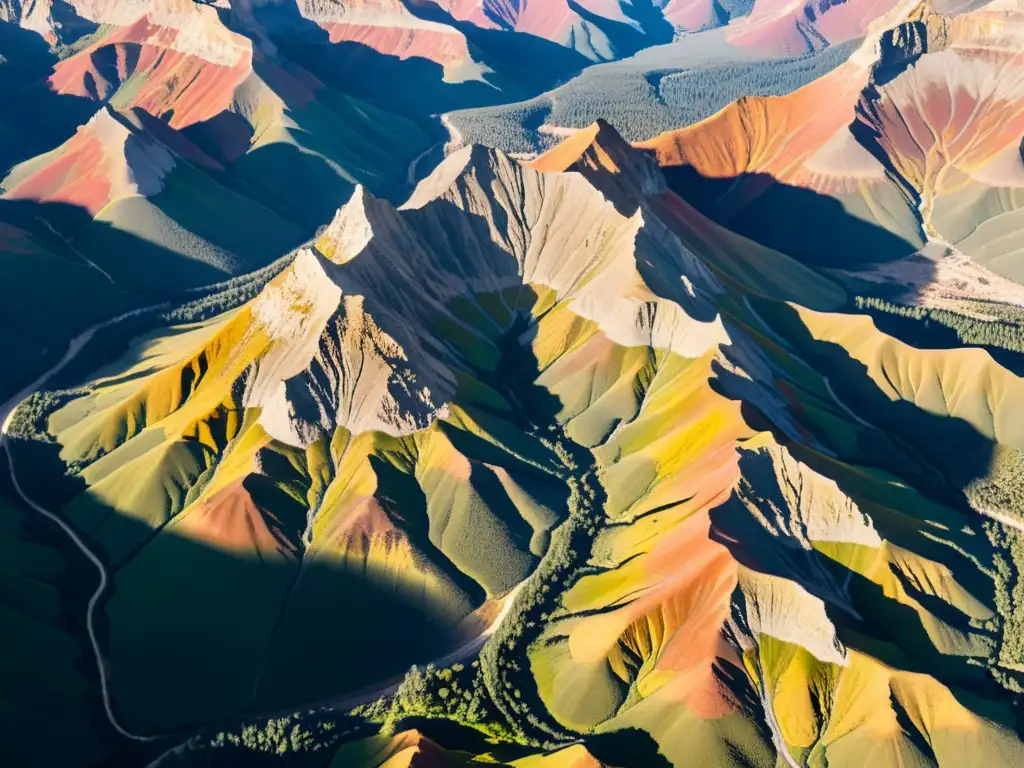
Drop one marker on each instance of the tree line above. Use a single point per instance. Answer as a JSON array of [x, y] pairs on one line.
[[972, 331], [640, 103]]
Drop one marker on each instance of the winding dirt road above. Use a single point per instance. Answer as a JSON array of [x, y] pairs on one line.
[[349, 701], [454, 136], [7, 411]]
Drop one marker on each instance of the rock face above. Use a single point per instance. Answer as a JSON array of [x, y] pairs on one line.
[[154, 52], [120, 178], [112, 157], [293, 104], [919, 139], [599, 29], [425, 403], [792, 29], [379, 279]]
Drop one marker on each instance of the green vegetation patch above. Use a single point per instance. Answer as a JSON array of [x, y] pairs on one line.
[[661, 90]]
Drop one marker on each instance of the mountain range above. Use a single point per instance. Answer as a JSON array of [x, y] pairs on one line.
[[370, 401]]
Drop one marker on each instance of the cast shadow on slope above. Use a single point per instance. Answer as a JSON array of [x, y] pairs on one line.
[[660, 257], [194, 646], [625, 39], [866, 618], [50, 292], [147, 247], [941, 455], [414, 86], [938, 456], [621, 40], [228, 634], [49, 685], [304, 177], [417, 86], [623, 748], [405, 503], [35, 119], [504, 50], [815, 229], [924, 333]]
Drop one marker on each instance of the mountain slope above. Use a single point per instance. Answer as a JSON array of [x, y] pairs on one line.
[[906, 153], [293, 105], [135, 177], [725, 521], [702, 450]]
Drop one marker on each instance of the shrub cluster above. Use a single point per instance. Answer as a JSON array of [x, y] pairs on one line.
[[1006, 663], [505, 661], [225, 296], [455, 693]]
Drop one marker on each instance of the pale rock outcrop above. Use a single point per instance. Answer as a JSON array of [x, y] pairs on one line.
[[771, 605], [365, 353], [798, 505]]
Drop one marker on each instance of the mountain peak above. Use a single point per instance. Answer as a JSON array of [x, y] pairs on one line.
[[700, 449], [598, 144], [109, 122], [599, 151], [471, 160], [362, 219], [111, 157]]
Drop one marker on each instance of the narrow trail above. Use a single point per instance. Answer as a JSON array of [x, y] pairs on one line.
[[71, 247], [90, 615], [75, 346]]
